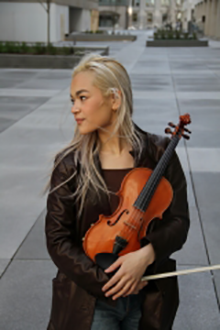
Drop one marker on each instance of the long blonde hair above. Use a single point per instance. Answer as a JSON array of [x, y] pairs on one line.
[[109, 76]]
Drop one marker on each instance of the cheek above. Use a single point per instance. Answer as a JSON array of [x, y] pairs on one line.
[[97, 112]]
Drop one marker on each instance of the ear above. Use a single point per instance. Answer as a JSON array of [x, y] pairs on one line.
[[116, 97]]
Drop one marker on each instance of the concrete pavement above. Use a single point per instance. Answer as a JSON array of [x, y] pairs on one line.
[[35, 122]]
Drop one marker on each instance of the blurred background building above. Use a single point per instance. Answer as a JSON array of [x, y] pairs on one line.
[[26, 20], [113, 14], [207, 17]]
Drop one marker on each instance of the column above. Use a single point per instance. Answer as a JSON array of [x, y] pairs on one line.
[[207, 17], [203, 6], [217, 25], [173, 13], [157, 14], [212, 19], [142, 15]]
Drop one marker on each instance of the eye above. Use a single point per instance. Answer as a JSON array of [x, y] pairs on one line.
[[72, 101], [81, 98]]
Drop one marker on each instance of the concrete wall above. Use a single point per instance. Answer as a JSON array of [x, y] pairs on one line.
[[59, 22], [80, 19], [28, 22], [210, 10], [86, 4]]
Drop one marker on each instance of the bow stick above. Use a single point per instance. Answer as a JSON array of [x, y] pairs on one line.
[[181, 272]]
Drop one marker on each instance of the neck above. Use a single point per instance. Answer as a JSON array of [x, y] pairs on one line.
[[113, 145]]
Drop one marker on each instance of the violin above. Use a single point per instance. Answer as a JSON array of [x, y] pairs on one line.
[[144, 195]]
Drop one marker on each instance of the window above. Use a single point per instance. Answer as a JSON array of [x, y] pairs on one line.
[[149, 17], [149, 2], [135, 3], [134, 17]]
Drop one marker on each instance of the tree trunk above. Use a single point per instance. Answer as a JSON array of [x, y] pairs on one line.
[[48, 22]]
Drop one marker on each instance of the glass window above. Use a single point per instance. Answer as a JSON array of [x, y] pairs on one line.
[[136, 3], [149, 17], [134, 17], [165, 2], [149, 2]]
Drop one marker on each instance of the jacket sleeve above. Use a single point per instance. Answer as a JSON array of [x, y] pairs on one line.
[[61, 245], [169, 234]]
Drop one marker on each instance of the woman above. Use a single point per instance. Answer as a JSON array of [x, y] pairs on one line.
[[106, 145]]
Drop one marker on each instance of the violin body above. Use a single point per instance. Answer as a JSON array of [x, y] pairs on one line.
[[127, 221]]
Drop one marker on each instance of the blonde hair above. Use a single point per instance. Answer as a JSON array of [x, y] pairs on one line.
[[110, 77]]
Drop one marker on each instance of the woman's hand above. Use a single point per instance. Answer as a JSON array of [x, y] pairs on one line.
[[139, 287], [132, 267]]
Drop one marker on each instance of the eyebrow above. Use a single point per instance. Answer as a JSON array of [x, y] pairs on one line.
[[79, 92]]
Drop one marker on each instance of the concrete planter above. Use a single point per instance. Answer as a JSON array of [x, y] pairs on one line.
[[100, 37], [177, 43], [46, 61]]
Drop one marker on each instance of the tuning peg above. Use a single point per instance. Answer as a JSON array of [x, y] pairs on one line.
[[171, 124], [186, 136], [168, 131], [187, 130]]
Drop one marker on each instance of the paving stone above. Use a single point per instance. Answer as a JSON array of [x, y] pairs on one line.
[[34, 245], [198, 307], [200, 107], [193, 251], [150, 82], [5, 123], [211, 227], [26, 292], [197, 84], [14, 108], [11, 92], [3, 264], [204, 160], [13, 78], [46, 83]]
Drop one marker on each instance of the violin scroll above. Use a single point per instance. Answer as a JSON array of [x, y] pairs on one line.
[[180, 129]]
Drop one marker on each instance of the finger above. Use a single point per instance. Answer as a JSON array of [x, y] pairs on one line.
[[121, 293], [116, 288], [112, 281], [131, 290], [136, 290]]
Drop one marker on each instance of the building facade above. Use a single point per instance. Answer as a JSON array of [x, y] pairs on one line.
[[26, 20], [207, 17], [113, 14], [139, 14]]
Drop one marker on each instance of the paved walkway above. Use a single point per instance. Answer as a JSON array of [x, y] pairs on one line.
[[35, 122]]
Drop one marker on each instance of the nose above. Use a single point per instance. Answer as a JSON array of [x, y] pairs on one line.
[[74, 109]]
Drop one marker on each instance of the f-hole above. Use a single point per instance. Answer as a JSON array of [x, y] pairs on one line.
[[118, 218]]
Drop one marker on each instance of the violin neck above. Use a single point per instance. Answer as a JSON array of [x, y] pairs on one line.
[[147, 192]]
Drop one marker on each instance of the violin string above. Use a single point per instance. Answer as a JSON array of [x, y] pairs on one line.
[[135, 214]]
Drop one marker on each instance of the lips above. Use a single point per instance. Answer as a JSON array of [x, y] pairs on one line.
[[79, 120]]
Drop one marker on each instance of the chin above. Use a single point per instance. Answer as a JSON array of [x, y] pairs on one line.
[[85, 131]]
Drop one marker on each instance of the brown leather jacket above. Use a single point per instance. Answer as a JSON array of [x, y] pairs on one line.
[[79, 281]]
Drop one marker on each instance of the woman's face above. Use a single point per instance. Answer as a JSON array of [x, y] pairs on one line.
[[89, 104]]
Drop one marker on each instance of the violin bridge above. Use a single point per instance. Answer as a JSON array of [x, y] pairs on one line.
[[130, 225]]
